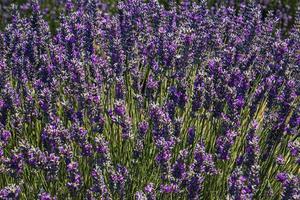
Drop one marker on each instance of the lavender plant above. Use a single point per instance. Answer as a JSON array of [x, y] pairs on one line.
[[149, 103]]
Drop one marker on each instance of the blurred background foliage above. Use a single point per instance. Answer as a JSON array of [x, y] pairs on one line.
[[285, 9]]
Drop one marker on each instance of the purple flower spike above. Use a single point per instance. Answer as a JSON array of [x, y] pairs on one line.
[[4, 137], [150, 191], [46, 196], [10, 192], [168, 188]]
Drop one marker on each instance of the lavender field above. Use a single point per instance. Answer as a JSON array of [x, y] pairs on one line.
[[148, 102]]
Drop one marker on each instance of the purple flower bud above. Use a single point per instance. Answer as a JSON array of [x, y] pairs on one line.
[[224, 143], [74, 179], [10, 192], [152, 84], [194, 186], [46, 196], [280, 160], [87, 149], [191, 135], [150, 191], [169, 188], [203, 162], [2, 103], [5, 136], [179, 169], [282, 177], [119, 179], [99, 186], [140, 196], [143, 127], [290, 185], [52, 166], [120, 109], [294, 148], [119, 89]]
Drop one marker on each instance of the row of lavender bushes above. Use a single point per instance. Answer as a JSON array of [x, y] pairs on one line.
[[286, 10], [149, 103]]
